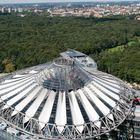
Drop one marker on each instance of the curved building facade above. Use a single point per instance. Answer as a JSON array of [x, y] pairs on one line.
[[64, 99]]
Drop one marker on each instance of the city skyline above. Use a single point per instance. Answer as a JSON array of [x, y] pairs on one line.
[[47, 1]]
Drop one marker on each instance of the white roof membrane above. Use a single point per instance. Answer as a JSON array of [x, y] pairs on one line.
[[102, 95], [11, 88], [61, 118], [18, 90], [77, 117], [35, 105], [88, 107], [113, 95], [46, 112], [26, 100]]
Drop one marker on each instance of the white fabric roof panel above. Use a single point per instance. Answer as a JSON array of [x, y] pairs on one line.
[[105, 110], [8, 89], [107, 78], [33, 71], [20, 75], [33, 108], [60, 118], [101, 106], [88, 107], [14, 80], [46, 112], [19, 96], [109, 83], [109, 87], [113, 95], [4, 85], [25, 101], [5, 96], [77, 117], [102, 95]]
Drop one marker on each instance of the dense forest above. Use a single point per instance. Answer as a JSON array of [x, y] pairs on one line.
[[113, 42]]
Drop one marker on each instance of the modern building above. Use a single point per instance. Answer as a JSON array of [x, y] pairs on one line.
[[3, 9], [9, 10], [20, 10], [68, 98]]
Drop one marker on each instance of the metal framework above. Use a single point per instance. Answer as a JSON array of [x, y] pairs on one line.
[[90, 129]]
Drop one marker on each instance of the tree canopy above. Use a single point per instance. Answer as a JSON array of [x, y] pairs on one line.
[[36, 39]]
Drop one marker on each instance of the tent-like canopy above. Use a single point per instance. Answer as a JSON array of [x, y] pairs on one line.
[[63, 100]]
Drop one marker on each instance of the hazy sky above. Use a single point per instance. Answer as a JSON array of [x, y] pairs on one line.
[[36, 1]]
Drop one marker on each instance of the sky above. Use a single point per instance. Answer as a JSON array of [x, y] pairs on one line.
[[38, 1]]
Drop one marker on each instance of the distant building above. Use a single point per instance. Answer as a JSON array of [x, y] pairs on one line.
[[20, 10], [38, 11], [138, 18], [9, 10], [3, 9], [15, 10], [21, 15]]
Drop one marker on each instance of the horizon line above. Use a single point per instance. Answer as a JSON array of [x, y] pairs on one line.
[[72, 1]]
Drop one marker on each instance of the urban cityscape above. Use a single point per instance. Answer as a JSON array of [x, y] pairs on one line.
[[75, 8]]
